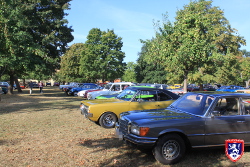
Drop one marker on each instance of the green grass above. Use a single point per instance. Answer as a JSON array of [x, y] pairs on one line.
[[48, 130]]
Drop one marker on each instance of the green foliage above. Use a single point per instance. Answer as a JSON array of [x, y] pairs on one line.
[[33, 36], [198, 42], [148, 71], [69, 71], [245, 70], [102, 58], [130, 74]]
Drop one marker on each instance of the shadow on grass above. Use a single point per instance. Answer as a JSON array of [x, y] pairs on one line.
[[131, 156], [128, 155], [52, 98]]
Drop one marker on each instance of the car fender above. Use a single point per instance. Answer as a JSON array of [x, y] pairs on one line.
[[171, 130], [176, 131]]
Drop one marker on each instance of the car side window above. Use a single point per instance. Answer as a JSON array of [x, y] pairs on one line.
[[228, 106], [115, 88], [146, 95], [246, 104], [162, 96]]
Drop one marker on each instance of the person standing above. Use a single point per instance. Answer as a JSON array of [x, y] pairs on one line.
[[31, 86], [40, 85]]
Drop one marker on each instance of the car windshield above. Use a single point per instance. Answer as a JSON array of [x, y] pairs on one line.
[[193, 103], [126, 95]]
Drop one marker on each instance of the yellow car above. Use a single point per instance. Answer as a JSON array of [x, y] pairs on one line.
[[243, 91], [176, 86], [106, 112]]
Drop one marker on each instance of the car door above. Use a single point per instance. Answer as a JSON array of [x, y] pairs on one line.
[[246, 112], [150, 99], [228, 124], [163, 100]]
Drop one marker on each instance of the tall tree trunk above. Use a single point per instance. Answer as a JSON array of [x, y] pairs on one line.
[[18, 85], [201, 87], [10, 91], [247, 83], [185, 82]]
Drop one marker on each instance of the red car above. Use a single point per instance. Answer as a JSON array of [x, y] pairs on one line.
[[86, 92]]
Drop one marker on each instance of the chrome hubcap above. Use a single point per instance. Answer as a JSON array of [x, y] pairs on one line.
[[171, 149]]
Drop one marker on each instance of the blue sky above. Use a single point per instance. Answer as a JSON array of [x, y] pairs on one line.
[[133, 19]]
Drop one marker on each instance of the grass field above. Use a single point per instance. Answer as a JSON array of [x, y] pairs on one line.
[[48, 130]]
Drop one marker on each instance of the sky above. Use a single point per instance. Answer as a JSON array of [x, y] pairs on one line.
[[133, 20]]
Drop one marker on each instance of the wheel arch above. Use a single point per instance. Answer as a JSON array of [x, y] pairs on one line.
[[105, 112], [178, 132]]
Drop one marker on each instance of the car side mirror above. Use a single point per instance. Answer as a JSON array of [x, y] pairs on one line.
[[215, 113]]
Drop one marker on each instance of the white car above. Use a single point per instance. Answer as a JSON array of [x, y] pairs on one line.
[[109, 89], [74, 84], [82, 92]]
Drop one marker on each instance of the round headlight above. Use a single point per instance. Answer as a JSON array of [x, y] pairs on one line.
[[135, 129]]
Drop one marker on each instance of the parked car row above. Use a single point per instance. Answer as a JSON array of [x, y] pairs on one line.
[[230, 88], [195, 120], [165, 122], [106, 112]]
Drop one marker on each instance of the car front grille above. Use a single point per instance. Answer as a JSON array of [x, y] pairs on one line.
[[84, 109], [123, 125]]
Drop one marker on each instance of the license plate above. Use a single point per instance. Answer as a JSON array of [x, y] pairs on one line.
[[118, 134]]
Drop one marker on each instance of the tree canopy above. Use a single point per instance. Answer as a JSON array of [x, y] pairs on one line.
[[70, 64], [103, 57], [200, 40], [34, 34]]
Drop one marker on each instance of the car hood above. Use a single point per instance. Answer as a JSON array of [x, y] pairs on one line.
[[155, 114], [101, 101]]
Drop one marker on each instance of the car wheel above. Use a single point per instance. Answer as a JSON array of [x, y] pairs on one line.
[[89, 97], [169, 149], [108, 120], [75, 93]]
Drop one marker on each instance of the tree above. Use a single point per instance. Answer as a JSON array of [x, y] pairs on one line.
[[34, 34], [129, 74], [245, 70], [150, 72], [70, 64], [200, 37], [102, 58]]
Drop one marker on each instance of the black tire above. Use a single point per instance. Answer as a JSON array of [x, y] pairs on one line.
[[108, 120], [75, 93], [169, 149]]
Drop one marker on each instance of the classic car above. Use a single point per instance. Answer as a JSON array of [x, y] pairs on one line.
[[109, 89], [85, 86], [178, 91], [56, 84], [195, 120], [175, 86], [158, 86], [243, 91], [71, 84], [84, 93], [21, 86], [106, 112], [66, 89], [107, 96], [48, 84], [4, 86], [231, 88], [116, 94]]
